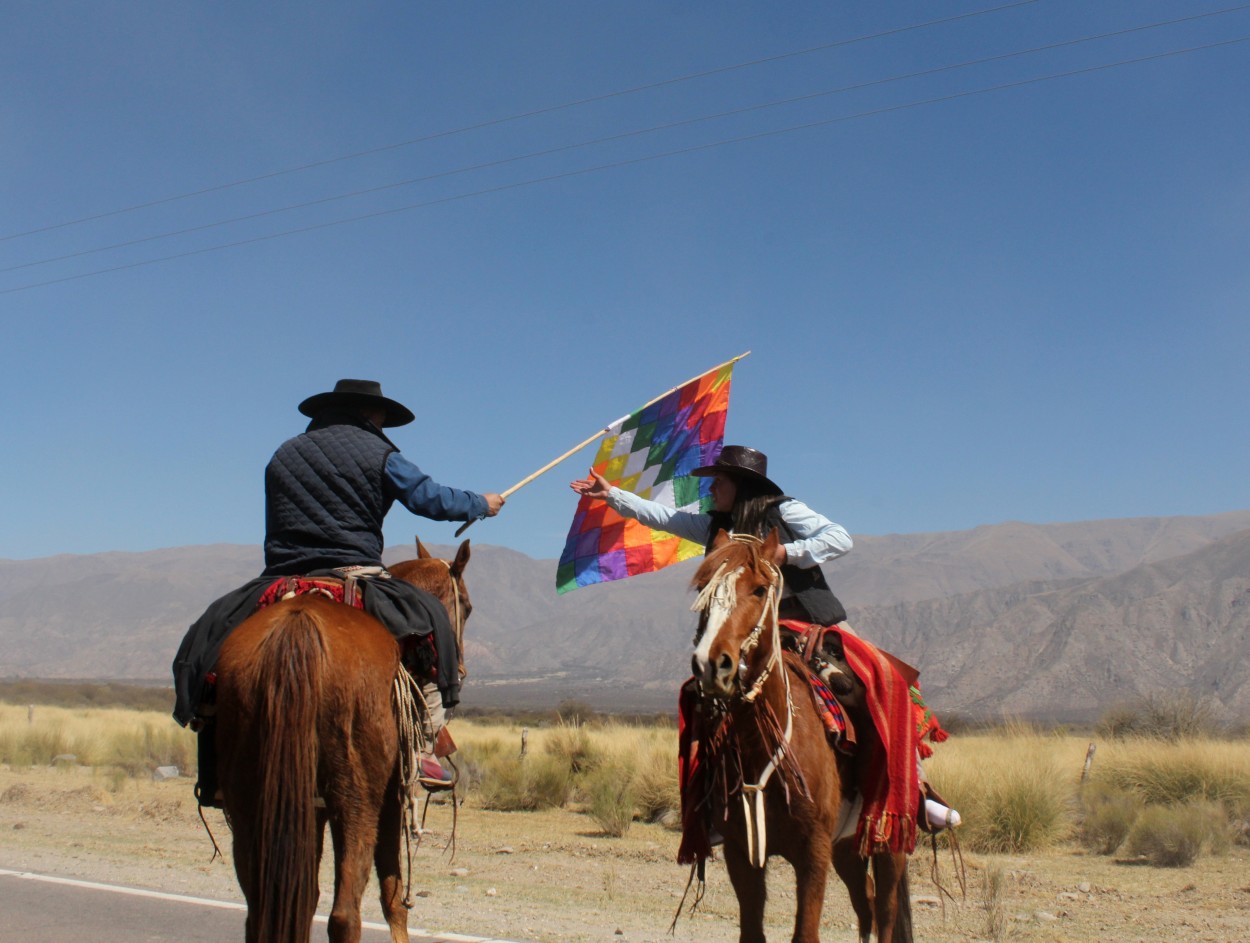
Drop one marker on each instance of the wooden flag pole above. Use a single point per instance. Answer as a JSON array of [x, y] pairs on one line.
[[602, 432]]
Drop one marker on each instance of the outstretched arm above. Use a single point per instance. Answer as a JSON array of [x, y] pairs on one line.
[[685, 524], [421, 494]]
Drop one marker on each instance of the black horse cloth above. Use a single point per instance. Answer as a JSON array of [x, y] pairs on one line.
[[403, 608]]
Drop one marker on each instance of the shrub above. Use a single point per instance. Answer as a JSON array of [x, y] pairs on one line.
[[656, 792], [1109, 815], [1172, 836], [1173, 716], [1193, 770], [571, 743], [574, 713], [516, 784], [1010, 791], [610, 795]]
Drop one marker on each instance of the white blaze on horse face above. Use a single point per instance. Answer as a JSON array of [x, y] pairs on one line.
[[719, 609]]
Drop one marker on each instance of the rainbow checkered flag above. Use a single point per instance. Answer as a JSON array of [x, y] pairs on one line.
[[652, 454]]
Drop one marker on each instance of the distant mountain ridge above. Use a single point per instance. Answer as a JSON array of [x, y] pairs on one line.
[[1055, 620]]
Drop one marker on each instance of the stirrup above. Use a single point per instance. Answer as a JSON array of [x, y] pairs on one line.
[[433, 776]]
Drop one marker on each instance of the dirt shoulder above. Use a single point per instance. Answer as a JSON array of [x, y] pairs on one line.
[[553, 876]]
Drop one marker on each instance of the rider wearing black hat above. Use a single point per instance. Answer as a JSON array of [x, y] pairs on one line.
[[327, 491], [746, 501]]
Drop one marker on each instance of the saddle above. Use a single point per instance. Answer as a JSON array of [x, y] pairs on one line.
[[417, 652]]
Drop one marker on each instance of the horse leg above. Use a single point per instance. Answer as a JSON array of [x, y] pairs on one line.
[[811, 872], [853, 870], [748, 884], [890, 875], [386, 861], [245, 872], [354, 838]]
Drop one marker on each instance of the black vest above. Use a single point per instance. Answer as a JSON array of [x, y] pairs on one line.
[[807, 597], [324, 498]]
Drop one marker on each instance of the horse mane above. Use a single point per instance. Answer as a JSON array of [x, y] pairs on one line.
[[725, 550]]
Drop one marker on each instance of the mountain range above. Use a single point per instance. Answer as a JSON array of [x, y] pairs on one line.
[[1052, 621]]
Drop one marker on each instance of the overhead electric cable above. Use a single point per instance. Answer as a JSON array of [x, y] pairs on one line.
[[518, 117], [954, 96], [1049, 47]]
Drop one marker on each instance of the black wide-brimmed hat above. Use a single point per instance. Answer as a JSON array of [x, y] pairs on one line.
[[743, 463], [353, 394]]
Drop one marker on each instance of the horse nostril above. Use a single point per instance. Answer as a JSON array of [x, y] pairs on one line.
[[695, 668], [724, 665]]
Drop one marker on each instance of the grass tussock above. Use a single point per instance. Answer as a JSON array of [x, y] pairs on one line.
[[1172, 836], [1108, 816], [1014, 790], [1167, 774], [610, 797], [572, 744]]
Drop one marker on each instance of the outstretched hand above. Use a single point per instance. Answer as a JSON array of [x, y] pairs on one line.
[[593, 486], [493, 503]]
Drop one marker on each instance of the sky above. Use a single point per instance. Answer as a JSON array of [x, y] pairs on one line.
[[980, 280]]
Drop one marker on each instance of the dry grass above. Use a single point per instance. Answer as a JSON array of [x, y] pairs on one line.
[[135, 742], [1017, 788], [561, 876]]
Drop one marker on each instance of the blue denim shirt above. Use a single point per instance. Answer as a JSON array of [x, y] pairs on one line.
[[421, 494]]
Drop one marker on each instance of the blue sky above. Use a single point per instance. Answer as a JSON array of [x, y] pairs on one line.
[[965, 303]]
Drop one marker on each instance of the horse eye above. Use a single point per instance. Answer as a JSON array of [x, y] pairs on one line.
[[759, 591]]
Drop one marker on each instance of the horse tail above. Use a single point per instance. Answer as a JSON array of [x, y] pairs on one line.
[[290, 670], [902, 911]]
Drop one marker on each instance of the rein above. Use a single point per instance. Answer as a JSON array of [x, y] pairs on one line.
[[458, 618], [716, 592], [409, 709]]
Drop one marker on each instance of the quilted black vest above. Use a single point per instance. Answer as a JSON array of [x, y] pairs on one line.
[[807, 596], [324, 498]]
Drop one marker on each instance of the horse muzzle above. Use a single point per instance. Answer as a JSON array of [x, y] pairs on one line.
[[718, 676]]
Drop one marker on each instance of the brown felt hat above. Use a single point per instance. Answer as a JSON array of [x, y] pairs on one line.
[[354, 394], [740, 462]]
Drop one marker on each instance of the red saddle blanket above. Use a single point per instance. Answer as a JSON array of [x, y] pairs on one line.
[[286, 587]]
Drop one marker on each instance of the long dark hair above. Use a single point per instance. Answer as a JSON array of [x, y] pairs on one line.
[[752, 514]]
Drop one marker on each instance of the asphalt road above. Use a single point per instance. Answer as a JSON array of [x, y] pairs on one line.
[[37, 908]]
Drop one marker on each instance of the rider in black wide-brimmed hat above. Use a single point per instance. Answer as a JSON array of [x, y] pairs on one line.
[[746, 501], [327, 491]]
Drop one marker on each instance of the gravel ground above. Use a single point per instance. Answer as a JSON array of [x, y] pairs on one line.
[[553, 876]]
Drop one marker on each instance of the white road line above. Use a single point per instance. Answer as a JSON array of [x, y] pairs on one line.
[[222, 904]]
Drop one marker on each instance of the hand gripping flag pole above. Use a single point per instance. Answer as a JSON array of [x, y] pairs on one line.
[[728, 364]]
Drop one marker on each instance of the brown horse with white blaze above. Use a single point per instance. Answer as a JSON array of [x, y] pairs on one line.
[[771, 757], [306, 710]]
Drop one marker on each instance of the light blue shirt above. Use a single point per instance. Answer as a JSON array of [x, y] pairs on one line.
[[817, 539]]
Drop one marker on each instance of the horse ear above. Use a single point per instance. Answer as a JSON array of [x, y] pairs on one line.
[[462, 559], [722, 538], [422, 553], [770, 544]]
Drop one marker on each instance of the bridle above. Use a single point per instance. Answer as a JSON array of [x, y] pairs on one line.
[[458, 615], [717, 592]]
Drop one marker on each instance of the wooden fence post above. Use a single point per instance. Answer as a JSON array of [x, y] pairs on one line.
[[1089, 761]]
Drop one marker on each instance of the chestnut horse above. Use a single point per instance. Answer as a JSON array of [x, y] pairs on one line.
[[306, 709], [784, 784]]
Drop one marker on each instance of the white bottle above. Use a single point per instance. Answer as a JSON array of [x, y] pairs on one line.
[[939, 816]]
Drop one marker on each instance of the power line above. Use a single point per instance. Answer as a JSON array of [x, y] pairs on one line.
[[1049, 47], [518, 117], [636, 160]]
